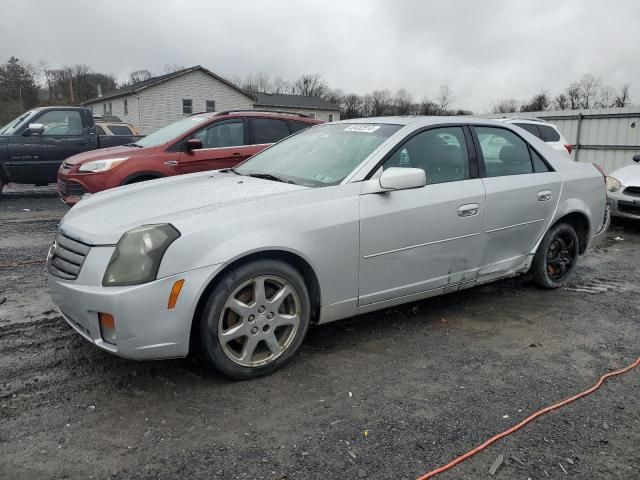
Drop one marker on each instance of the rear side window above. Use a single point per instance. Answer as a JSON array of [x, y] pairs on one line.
[[297, 126], [504, 152], [267, 130], [100, 130], [549, 134], [531, 128], [120, 130], [440, 152]]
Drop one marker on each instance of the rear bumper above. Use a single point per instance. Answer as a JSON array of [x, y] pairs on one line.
[[599, 236]]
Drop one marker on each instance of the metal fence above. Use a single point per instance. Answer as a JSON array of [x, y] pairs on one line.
[[609, 137]]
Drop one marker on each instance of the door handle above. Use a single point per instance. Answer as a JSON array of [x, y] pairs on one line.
[[171, 163], [236, 154], [468, 210], [544, 195]]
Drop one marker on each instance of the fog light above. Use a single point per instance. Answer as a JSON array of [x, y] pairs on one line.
[[107, 327], [175, 293]]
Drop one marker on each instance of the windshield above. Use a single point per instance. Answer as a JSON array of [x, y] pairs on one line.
[[171, 132], [11, 127], [320, 156]]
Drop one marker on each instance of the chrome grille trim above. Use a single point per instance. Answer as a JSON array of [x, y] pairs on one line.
[[68, 257]]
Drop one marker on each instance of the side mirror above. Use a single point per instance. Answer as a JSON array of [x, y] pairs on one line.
[[402, 178], [636, 158], [193, 144], [35, 128]]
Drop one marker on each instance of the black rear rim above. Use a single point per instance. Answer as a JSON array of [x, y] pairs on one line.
[[561, 256]]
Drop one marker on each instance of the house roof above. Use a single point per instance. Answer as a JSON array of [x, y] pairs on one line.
[[136, 87], [282, 100]]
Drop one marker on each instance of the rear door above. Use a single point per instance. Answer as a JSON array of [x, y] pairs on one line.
[[265, 131], [224, 145], [36, 158], [522, 192], [424, 239]]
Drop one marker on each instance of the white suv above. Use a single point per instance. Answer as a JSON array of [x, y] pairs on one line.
[[545, 131]]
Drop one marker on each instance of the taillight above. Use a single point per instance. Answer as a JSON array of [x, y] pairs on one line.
[[601, 170], [569, 148]]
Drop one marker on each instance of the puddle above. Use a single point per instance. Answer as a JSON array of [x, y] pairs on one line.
[[602, 286]]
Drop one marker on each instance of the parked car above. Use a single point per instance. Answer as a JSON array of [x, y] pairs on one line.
[[112, 125], [341, 219], [34, 145], [545, 131], [204, 141], [623, 191]]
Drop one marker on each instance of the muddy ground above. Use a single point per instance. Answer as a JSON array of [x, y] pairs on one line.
[[387, 395]]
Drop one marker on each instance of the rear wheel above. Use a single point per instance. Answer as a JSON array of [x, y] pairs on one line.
[[255, 319], [556, 257]]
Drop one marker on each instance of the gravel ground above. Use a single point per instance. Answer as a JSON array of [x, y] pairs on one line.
[[388, 395]]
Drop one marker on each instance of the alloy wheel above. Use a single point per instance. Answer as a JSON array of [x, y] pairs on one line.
[[259, 321], [561, 256]]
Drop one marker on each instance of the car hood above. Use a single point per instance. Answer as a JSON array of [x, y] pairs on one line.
[[111, 152], [628, 176], [101, 219]]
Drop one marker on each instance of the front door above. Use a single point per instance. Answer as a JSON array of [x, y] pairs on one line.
[[522, 194], [420, 240], [223, 146], [36, 158]]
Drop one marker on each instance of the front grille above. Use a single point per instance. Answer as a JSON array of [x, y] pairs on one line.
[[628, 207], [633, 191], [67, 256], [71, 188]]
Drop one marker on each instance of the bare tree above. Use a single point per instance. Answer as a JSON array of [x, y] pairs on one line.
[[508, 105], [538, 103], [310, 85], [573, 93], [172, 68], [444, 98], [403, 102], [138, 76], [281, 86], [351, 106], [561, 102], [381, 103], [334, 96], [589, 86], [428, 107], [622, 98]]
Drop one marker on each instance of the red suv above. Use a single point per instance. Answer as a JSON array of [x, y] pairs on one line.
[[204, 141]]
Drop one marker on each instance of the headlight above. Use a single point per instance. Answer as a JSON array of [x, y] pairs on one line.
[[102, 165], [613, 184], [138, 255]]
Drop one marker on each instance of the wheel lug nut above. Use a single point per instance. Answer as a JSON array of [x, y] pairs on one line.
[[254, 330], [270, 315], [261, 310], [252, 318]]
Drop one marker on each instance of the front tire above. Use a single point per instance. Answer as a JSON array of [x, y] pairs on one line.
[[255, 320], [556, 257]]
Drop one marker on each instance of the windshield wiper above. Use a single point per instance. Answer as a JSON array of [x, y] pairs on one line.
[[132, 145], [269, 176]]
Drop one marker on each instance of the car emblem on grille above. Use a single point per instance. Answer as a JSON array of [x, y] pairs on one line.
[[52, 250]]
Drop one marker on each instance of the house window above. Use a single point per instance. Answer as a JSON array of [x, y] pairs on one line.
[[104, 109], [210, 106], [110, 110], [126, 107], [331, 117], [187, 106]]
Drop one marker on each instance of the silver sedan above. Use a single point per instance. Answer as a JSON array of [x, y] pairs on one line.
[[338, 220], [623, 190]]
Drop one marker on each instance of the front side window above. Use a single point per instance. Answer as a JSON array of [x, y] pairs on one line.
[[222, 134], [266, 130], [210, 106], [504, 152], [320, 156], [440, 152], [61, 122], [187, 106]]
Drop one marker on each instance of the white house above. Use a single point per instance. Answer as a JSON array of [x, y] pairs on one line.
[[162, 100]]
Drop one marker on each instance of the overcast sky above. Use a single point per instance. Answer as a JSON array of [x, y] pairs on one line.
[[484, 50]]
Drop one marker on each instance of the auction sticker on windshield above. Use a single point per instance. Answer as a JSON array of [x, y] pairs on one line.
[[362, 128]]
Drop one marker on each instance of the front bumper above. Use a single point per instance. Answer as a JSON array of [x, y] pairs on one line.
[[145, 327], [624, 206]]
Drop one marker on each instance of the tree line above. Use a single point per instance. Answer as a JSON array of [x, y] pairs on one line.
[[24, 86]]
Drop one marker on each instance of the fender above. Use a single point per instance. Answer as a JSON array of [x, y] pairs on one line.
[[145, 173]]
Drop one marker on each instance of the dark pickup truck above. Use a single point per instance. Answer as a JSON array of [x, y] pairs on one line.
[[33, 146]]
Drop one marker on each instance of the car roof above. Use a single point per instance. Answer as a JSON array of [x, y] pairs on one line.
[[534, 121], [260, 113]]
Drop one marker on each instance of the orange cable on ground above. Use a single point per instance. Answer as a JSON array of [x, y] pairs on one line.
[[509, 431]]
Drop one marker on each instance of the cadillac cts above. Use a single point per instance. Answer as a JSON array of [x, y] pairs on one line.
[[337, 220]]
